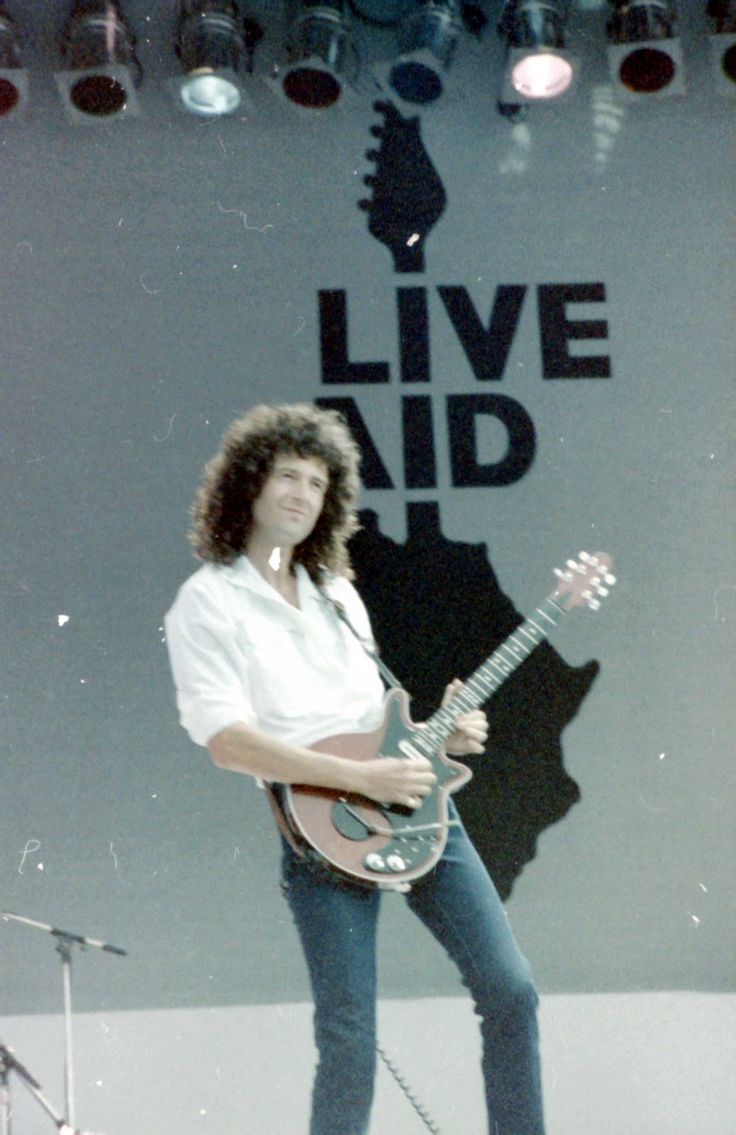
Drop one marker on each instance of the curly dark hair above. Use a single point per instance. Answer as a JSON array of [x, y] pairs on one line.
[[222, 511]]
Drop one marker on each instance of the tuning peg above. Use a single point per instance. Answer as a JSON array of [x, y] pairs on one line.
[[377, 131], [365, 205], [594, 604], [575, 566], [372, 155], [596, 562], [369, 179]]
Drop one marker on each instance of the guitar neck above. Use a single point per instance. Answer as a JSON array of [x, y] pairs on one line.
[[490, 675]]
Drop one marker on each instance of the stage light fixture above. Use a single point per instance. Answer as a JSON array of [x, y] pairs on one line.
[[538, 68], [644, 54], [13, 77], [321, 53], [102, 70], [427, 35], [723, 45], [212, 41]]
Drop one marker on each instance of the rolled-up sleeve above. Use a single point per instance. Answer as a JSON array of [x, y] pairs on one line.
[[210, 676]]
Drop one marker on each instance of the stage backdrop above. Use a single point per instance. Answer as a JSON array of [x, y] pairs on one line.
[[530, 327]]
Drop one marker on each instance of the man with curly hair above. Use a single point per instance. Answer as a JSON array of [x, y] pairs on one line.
[[263, 668]]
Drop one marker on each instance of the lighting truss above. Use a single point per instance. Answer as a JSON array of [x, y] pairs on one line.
[[102, 70], [13, 76], [644, 54], [321, 52], [538, 68], [427, 36], [212, 41], [723, 45]]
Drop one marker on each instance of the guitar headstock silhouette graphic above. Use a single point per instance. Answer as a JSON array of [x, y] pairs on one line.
[[407, 195]]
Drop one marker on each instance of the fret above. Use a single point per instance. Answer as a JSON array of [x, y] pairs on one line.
[[428, 741], [488, 678], [465, 703], [470, 685], [513, 651], [427, 749], [544, 615]]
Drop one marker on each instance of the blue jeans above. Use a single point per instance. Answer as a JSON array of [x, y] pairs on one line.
[[459, 905]]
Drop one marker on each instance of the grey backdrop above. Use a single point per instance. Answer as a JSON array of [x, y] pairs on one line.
[[160, 275]]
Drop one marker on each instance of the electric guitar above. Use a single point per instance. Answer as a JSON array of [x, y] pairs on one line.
[[389, 845]]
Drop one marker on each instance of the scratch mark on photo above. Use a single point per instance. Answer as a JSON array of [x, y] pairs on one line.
[[167, 435], [31, 846], [240, 213], [146, 289]]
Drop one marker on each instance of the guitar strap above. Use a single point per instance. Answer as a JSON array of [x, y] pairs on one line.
[[389, 678]]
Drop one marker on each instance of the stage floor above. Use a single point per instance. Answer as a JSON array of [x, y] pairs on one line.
[[643, 1064]]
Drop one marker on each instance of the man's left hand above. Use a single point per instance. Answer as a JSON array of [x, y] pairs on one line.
[[471, 732]]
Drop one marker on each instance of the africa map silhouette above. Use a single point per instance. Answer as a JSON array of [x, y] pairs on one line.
[[437, 612]]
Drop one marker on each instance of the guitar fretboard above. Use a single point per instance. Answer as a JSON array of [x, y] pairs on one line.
[[489, 676]]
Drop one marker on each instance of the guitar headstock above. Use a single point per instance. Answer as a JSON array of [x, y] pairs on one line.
[[584, 582]]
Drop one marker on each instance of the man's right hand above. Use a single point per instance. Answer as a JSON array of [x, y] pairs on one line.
[[395, 780]]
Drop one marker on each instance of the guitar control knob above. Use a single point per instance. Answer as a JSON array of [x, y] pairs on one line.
[[395, 863], [375, 862]]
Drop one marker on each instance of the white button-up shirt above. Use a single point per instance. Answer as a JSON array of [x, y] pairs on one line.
[[240, 652]]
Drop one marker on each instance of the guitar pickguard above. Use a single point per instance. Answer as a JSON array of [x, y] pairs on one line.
[[370, 841]]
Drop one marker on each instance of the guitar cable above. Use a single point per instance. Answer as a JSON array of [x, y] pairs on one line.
[[413, 1099]]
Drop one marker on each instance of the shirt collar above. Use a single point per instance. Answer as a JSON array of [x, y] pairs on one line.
[[242, 573]]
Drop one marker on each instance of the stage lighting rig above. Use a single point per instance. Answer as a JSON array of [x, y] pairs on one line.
[[212, 40], [321, 53], [723, 45], [538, 68], [427, 35], [102, 70], [644, 54], [13, 77]]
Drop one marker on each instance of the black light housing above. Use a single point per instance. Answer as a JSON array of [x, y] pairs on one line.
[[644, 54], [427, 35], [723, 45], [538, 68], [212, 41], [321, 52], [102, 70], [13, 77]]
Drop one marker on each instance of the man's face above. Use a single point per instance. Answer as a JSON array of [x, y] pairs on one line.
[[290, 502]]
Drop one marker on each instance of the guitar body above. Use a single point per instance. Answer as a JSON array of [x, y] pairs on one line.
[[386, 845]]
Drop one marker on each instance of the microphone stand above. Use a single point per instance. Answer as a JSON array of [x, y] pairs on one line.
[[65, 940], [10, 1063]]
